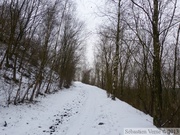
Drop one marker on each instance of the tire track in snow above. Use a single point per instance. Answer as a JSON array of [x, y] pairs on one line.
[[61, 120], [86, 120]]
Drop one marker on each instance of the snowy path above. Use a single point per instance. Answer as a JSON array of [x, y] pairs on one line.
[[81, 110]]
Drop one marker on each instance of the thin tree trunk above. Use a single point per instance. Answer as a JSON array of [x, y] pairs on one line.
[[157, 68], [175, 63], [116, 57], [26, 93]]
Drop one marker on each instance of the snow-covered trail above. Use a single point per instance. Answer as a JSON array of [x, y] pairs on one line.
[[81, 110]]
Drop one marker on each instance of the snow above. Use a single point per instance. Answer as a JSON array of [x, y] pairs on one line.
[[80, 110]]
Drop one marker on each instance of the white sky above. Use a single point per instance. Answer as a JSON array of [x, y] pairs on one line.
[[87, 10]]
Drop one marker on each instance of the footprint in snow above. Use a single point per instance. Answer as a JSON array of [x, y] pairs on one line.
[[101, 123]]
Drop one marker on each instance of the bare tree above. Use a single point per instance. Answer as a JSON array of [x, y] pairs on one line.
[[116, 57], [159, 28]]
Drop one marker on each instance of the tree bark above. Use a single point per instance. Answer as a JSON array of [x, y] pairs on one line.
[[116, 57], [157, 90]]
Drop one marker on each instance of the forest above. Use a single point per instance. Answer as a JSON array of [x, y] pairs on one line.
[[41, 43], [136, 57]]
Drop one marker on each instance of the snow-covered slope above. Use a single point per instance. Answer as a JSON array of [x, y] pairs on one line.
[[80, 110]]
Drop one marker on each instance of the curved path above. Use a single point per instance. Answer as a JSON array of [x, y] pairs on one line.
[[80, 110]]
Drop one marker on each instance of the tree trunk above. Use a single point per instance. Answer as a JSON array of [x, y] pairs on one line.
[[116, 57], [157, 91]]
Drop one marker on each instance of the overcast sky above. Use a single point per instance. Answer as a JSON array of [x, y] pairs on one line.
[[87, 10]]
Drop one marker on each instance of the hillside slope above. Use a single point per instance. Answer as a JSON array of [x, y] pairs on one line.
[[80, 110]]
